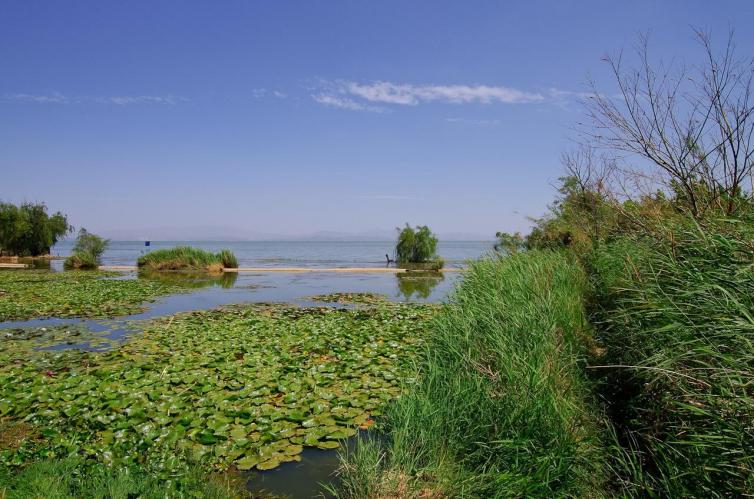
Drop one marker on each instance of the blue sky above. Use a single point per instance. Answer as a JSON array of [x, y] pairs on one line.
[[246, 118]]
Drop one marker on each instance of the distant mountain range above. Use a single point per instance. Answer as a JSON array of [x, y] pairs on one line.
[[202, 233]]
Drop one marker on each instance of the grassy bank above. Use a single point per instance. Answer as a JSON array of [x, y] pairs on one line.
[[187, 258], [675, 312], [72, 477], [502, 406]]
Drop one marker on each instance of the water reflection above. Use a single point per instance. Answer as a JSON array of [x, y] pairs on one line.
[[192, 280], [418, 283]]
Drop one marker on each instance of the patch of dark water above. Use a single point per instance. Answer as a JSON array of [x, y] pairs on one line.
[[307, 478]]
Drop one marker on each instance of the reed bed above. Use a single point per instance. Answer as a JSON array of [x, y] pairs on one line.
[[501, 407], [187, 258]]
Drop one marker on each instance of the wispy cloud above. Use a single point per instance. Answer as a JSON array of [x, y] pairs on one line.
[[53, 98], [260, 93], [120, 100], [359, 96], [389, 197], [125, 100], [466, 121], [412, 95], [345, 103]]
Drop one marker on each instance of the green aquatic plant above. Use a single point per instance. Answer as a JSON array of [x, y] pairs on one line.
[[28, 294], [87, 251], [243, 385], [350, 298], [187, 258]]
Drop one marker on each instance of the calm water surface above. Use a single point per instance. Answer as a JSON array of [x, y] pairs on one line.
[[290, 253]]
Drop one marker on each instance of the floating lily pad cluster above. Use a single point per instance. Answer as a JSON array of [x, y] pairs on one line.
[[244, 385], [27, 294], [61, 336], [350, 298]]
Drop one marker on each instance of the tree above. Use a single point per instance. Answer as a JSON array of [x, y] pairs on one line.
[[695, 127], [416, 245], [27, 230]]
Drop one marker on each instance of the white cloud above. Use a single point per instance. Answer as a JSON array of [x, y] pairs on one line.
[[466, 121], [345, 103], [124, 100], [389, 197], [260, 93], [54, 98], [411, 95], [120, 100]]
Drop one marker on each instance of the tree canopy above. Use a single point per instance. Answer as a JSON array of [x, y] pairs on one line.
[[28, 230]]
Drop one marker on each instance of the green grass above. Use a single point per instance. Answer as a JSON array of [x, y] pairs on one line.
[[502, 406], [80, 260], [187, 258], [676, 315], [73, 478], [28, 294]]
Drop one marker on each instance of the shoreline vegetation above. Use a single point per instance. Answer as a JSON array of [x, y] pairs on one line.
[[187, 258], [607, 353]]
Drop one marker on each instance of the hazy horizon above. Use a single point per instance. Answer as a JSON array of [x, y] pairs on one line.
[[300, 118]]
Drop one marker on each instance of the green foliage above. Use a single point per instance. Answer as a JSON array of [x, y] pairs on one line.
[[187, 258], [509, 243], [228, 259], [27, 294], [416, 245], [501, 407], [676, 315], [72, 477], [87, 251], [28, 230], [244, 385], [81, 261]]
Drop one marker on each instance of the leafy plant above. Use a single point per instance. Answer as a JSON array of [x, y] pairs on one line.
[[28, 230], [250, 385], [27, 294], [416, 245], [87, 251], [187, 258]]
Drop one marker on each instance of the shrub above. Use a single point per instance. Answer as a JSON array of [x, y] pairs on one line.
[[87, 251], [416, 245], [27, 230], [187, 258]]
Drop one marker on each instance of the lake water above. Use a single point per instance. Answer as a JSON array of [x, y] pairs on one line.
[[321, 254], [293, 480]]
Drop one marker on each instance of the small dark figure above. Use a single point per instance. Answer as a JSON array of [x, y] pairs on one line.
[[389, 260]]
